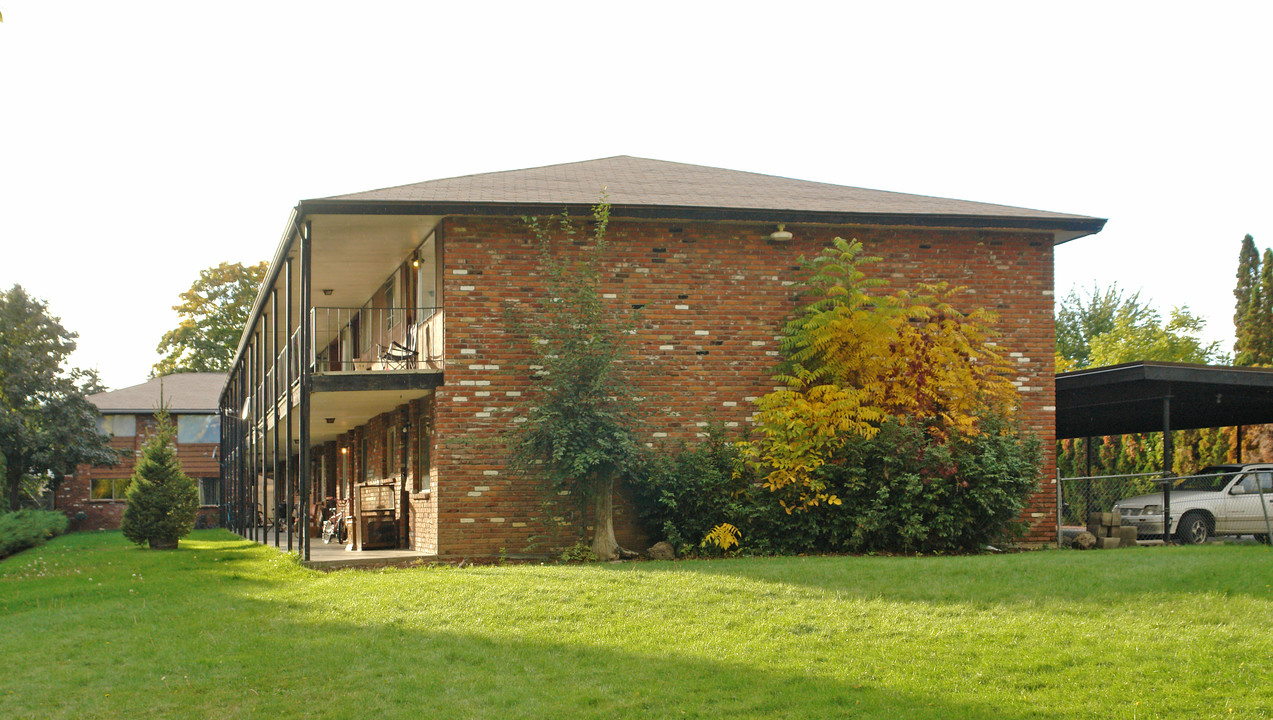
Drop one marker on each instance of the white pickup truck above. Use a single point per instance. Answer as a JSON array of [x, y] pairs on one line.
[[1220, 500]]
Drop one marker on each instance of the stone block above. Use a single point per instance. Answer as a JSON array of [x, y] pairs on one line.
[[1107, 543], [1127, 534]]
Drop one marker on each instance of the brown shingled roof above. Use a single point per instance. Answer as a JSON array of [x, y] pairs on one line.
[[183, 392], [638, 182]]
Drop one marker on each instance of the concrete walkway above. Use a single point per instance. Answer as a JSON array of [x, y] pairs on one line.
[[324, 556]]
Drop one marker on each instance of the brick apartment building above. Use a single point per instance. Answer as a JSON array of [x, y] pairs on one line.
[[393, 399], [128, 417]]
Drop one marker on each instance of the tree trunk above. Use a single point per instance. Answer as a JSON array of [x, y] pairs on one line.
[[12, 483], [603, 542]]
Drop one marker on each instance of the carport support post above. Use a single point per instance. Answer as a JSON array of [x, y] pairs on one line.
[[1167, 452]]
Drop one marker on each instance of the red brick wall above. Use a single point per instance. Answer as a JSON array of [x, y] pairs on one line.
[[198, 460], [713, 297]]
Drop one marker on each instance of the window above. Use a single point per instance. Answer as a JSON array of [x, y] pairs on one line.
[[198, 428], [118, 425], [390, 319], [209, 491], [109, 488], [1248, 482]]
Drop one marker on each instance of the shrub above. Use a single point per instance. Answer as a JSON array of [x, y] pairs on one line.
[[681, 496], [903, 490], [908, 492], [27, 528]]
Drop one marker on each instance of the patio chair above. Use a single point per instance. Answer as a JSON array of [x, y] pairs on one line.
[[398, 356]]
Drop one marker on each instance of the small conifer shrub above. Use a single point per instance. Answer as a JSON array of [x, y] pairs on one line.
[[162, 500]]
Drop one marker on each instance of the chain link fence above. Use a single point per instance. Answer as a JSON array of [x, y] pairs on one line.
[[1228, 500]]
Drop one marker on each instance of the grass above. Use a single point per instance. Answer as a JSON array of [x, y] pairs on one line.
[[93, 627]]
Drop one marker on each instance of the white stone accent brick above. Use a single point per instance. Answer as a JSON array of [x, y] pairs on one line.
[[467, 520], [490, 472]]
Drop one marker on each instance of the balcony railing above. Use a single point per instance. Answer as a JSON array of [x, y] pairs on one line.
[[376, 338]]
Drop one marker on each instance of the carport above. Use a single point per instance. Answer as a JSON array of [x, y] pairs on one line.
[[1151, 397], [1160, 397]]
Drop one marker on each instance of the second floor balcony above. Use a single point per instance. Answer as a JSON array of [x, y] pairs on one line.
[[377, 339]]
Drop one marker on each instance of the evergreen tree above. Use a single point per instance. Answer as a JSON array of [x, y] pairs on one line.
[[162, 500], [1261, 315], [1243, 292]]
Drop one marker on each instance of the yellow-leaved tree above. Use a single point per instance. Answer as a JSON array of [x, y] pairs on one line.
[[854, 358]]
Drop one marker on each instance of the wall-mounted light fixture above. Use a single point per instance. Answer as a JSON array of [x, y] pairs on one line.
[[415, 262], [344, 451], [781, 235], [330, 420], [327, 291]]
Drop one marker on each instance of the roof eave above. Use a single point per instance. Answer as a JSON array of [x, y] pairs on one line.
[[1063, 229]]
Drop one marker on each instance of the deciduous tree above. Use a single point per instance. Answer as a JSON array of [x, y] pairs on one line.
[[1109, 327], [47, 424], [213, 312], [853, 359], [579, 434]]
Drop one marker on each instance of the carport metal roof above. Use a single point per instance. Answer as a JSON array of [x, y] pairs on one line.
[[1151, 396]]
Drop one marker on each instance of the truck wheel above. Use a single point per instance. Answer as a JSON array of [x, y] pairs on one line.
[[1194, 529]]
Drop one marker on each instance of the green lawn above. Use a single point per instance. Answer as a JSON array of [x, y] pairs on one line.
[[92, 627]]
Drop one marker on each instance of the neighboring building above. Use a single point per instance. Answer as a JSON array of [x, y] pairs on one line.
[[411, 441], [128, 417]]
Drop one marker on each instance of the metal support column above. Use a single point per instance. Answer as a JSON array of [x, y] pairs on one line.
[[307, 357], [287, 457], [258, 417], [278, 524], [1167, 452]]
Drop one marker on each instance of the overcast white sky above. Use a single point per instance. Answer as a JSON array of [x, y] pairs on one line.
[[141, 142]]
